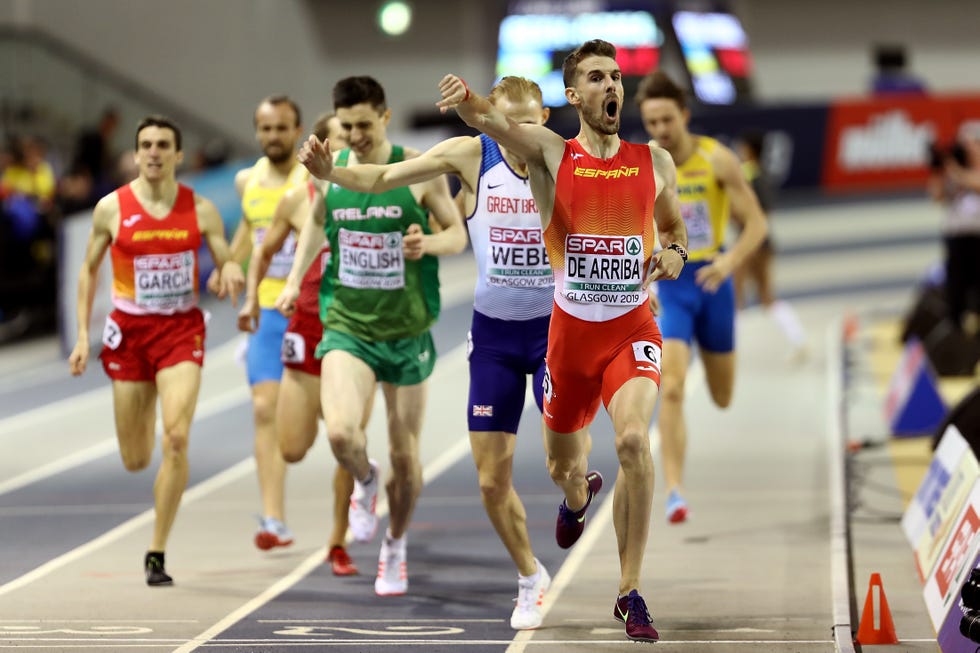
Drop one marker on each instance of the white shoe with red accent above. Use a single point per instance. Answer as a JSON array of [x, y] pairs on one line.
[[530, 594], [363, 515], [392, 579]]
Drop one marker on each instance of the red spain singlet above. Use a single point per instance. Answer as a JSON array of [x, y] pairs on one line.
[[600, 241], [154, 260], [602, 233]]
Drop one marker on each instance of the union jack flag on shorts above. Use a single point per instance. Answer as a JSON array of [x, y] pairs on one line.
[[482, 411]]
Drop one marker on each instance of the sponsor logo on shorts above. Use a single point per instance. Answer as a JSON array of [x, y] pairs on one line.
[[115, 367], [480, 410], [198, 353]]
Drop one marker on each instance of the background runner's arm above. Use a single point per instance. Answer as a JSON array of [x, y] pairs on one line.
[[241, 241], [441, 159], [310, 241], [667, 208], [670, 224], [452, 238], [533, 143], [231, 280], [292, 203], [745, 207]]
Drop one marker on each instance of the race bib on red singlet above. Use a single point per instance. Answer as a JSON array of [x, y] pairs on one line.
[[164, 281], [112, 335], [604, 269], [293, 348]]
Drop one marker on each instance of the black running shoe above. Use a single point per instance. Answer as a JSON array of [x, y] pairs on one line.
[[155, 573], [571, 523]]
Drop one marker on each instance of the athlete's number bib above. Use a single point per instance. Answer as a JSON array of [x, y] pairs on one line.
[[111, 335], [698, 223], [282, 261], [293, 348], [164, 282], [370, 260], [647, 355], [516, 258], [604, 270]]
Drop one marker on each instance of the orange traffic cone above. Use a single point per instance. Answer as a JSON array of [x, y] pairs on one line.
[[885, 632]]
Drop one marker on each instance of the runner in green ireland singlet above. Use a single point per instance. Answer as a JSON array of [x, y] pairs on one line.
[[372, 292]]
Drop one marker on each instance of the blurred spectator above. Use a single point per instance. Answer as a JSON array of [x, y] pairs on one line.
[[126, 168], [92, 173], [212, 154], [756, 270], [891, 73], [954, 181], [28, 174], [27, 232]]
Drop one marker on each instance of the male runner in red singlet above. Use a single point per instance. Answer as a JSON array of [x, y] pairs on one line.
[[153, 342], [601, 202]]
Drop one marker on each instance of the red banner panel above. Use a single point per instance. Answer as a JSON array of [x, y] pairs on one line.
[[883, 143]]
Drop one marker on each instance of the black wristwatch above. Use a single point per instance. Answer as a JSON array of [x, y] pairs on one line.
[[679, 249]]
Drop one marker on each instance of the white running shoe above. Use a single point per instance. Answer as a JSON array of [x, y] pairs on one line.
[[530, 594], [362, 515], [392, 579]]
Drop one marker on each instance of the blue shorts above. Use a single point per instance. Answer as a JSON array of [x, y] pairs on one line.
[[502, 353], [263, 362], [689, 312]]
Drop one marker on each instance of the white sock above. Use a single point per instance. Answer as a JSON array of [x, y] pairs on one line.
[[390, 540], [786, 318], [534, 576]]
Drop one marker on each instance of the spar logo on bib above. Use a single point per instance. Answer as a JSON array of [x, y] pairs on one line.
[[604, 245], [368, 240], [603, 269]]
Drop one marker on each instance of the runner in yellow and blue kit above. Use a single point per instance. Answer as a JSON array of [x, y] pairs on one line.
[[699, 306], [278, 129]]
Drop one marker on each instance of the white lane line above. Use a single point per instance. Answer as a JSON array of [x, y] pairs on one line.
[[98, 621], [460, 643], [200, 490], [212, 406], [840, 554], [88, 454]]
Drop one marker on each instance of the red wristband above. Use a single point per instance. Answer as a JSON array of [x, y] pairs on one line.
[[467, 96]]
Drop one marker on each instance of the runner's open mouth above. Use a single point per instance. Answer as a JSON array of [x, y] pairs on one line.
[[612, 106]]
